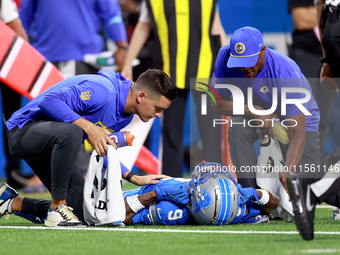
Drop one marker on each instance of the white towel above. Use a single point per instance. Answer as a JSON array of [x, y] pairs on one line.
[[269, 163], [103, 196]]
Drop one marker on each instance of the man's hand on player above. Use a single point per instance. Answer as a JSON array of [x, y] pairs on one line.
[[148, 179], [283, 180]]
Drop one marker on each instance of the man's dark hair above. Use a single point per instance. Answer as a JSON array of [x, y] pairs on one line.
[[158, 83]]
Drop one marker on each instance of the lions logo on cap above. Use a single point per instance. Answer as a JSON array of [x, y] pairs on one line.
[[240, 48], [264, 89]]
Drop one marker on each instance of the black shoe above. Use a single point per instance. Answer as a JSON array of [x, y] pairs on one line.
[[17, 180], [303, 205]]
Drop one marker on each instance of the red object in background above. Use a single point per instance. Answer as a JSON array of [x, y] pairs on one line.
[[23, 68], [17, 2], [147, 162]]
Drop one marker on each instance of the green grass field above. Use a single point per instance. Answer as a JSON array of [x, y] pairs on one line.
[[19, 236]]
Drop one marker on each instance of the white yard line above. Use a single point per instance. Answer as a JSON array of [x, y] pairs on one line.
[[163, 230], [325, 207], [313, 251]]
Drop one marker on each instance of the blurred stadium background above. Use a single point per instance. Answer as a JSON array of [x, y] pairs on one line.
[[272, 19]]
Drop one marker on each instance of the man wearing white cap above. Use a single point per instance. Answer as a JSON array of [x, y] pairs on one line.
[[248, 63]]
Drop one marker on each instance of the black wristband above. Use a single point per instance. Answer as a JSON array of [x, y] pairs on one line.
[[122, 47], [323, 60], [129, 176]]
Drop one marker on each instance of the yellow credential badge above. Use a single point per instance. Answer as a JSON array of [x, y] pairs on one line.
[[85, 95], [240, 48]]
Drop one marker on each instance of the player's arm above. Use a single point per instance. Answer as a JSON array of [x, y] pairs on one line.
[[297, 140], [136, 203], [143, 180], [217, 29], [112, 19], [227, 109], [139, 37], [304, 17], [267, 200], [176, 193], [16, 25]]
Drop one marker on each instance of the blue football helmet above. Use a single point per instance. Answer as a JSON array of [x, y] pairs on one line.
[[214, 197]]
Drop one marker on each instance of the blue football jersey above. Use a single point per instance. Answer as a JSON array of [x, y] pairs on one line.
[[247, 209], [167, 213], [164, 212]]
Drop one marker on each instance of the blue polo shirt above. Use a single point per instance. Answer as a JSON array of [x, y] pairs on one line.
[[279, 71], [98, 98]]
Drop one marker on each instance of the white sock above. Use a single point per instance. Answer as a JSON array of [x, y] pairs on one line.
[[9, 206]]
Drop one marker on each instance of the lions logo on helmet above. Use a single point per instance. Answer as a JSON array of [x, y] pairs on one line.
[[213, 195], [202, 204]]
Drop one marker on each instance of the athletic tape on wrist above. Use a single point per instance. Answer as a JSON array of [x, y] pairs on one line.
[[265, 197], [134, 203]]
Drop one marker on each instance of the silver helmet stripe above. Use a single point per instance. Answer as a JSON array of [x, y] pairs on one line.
[[225, 193]]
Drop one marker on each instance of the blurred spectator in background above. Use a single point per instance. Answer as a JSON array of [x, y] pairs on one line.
[[306, 52], [185, 45], [10, 99], [329, 25], [64, 31], [130, 14]]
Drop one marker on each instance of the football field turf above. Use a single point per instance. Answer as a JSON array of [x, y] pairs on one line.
[[19, 236]]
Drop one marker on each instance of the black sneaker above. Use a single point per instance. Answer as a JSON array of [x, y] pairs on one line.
[[303, 201], [18, 180]]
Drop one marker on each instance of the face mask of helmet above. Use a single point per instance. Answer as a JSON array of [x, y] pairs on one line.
[[213, 195]]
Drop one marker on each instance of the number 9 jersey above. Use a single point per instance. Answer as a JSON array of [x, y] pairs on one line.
[[164, 212]]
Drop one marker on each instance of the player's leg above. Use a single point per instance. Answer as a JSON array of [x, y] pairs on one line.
[[36, 210], [306, 193], [211, 136], [310, 161], [75, 192], [10, 103], [11, 202], [50, 148], [173, 128], [309, 164], [243, 155], [331, 42], [333, 160]]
